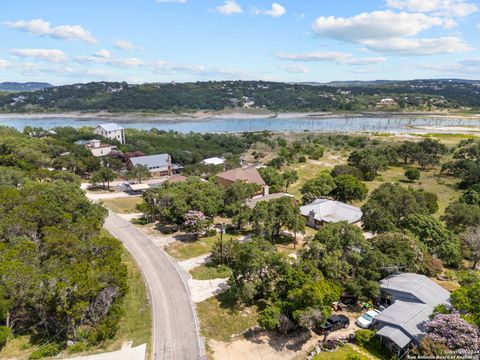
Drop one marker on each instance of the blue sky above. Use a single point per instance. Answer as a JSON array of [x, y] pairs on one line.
[[284, 40]]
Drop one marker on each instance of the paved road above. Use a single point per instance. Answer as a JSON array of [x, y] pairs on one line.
[[175, 329]]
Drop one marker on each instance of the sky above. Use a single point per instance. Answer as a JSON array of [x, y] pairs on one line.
[[65, 42]]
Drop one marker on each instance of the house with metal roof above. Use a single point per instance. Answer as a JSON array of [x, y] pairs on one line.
[[325, 211], [111, 131], [215, 161], [410, 299], [158, 165]]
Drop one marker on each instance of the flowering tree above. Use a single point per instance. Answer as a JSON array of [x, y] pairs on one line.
[[454, 332], [195, 223]]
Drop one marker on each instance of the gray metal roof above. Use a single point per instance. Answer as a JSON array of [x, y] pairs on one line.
[[396, 335], [110, 127], [409, 317], [424, 289], [331, 211], [153, 162]]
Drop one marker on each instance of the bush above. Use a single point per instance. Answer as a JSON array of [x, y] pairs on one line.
[[363, 337], [5, 332], [45, 351], [77, 347], [302, 159], [412, 174]]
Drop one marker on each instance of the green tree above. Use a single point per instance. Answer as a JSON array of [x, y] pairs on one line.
[[389, 204], [471, 240], [440, 241], [349, 188], [289, 177], [104, 175], [412, 174], [459, 216], [139, 172], [467, 299], [322, 185]]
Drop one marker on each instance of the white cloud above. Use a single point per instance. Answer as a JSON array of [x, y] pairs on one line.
[[411, 47], [123, 44], [105, 57], [43, 28], [229, 7], [103, 54], [276, 10], [165, 67], [50, 55], [478, 26], [375, 25], [453, 8], [391, 32], [172, 1], [4, 64], [341, 58], [297, 69]]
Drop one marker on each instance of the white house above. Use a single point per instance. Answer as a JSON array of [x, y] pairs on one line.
[[111, 131], [324, 211], [96, 147], [214, 161]]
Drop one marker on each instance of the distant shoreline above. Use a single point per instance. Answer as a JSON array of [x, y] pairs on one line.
[[205, 115]]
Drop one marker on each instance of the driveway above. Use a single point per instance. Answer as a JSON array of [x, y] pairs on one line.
[[175, 326]]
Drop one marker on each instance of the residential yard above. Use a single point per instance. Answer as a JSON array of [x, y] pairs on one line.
[[221, 317], [183, 250], [135, 323], [209, 272], [343, 353], [124, 205]]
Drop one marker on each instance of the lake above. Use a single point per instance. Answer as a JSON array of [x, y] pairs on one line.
[[334, 124]]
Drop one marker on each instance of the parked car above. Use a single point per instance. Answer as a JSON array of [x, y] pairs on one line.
[[366, 320], [335, 322]]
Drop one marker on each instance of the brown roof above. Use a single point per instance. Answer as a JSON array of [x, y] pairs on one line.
[[176, 179], [250, 175]]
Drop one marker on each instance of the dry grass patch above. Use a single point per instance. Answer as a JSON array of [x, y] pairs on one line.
[[124, 205]]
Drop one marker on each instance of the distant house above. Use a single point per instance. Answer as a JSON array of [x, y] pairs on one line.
[[387, 101], [411, 299], [111, 131], [214, 161], [325, 211], [158, 165], [96, 147], [248, 175]]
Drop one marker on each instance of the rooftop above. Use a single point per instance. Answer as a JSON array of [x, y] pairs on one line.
[[214, 161], [153, 162], [250, 175], [110, 127], [332, 211]]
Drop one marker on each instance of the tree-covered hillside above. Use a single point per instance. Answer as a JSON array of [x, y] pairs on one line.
[[415, 95]]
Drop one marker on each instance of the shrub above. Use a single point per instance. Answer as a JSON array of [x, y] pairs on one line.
[[5, 332], [302, 159], [51, 349], [363, 337], [412, 174], [77, 347]]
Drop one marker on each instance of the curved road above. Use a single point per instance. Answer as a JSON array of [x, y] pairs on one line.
[[175, 327]]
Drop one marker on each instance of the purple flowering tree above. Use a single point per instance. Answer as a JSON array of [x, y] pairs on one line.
[[454, 332], [195, 223]]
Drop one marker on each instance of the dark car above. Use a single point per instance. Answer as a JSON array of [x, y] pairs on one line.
[[333, 323]]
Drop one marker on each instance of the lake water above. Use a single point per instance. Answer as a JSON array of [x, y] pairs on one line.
[[371, 124]]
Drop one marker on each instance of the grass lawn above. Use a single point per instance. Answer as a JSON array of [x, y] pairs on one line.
[[125, 205], [135, 323], [208, 272], [341, 354], [220, 317], [183, 250]]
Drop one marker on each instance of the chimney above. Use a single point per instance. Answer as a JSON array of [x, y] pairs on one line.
[[95, 143], [266, 190]]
